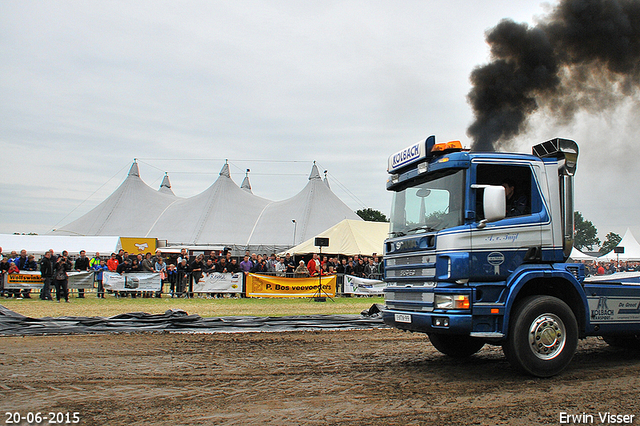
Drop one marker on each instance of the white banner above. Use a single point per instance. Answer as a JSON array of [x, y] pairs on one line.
[[356, 285], [141, 281], [79, 279], [33, 280], [217, 282]]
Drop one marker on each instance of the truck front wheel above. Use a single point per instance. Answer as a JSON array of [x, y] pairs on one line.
[[456, 346], [543, 336]]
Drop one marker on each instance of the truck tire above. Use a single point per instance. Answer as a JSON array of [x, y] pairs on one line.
[[543, 336], [456, 346]]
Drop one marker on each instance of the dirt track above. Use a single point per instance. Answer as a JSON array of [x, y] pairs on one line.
[[372, 377]]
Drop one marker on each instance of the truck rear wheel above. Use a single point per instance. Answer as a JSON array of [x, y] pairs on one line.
[[456, 346], [543, 336]]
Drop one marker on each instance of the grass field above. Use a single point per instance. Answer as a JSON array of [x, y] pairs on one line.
[[92, 306]]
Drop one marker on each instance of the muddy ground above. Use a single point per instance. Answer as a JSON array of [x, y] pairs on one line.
[[365, 377]]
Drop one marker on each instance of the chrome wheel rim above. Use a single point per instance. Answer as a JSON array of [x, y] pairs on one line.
[[547, 336]]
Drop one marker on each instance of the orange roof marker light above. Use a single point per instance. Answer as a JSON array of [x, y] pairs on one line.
[[446, 147]]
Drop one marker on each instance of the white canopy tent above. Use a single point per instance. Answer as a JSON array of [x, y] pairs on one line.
[[349, 237], [580, 256], [311, 211], [130, 210], [631, 250], [39, 244]]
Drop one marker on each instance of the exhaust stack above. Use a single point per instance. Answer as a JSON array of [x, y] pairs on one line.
[[566, 152]]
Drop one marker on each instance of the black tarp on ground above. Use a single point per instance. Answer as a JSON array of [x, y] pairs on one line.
[[14, 324]]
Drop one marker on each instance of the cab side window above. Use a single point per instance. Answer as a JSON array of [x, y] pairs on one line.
[[519, 188]]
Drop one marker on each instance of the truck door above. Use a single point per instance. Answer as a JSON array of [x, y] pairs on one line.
[[501, 246]]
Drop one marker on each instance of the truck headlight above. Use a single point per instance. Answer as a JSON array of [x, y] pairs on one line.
[[451, 301]]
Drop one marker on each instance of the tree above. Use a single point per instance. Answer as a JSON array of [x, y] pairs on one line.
[[612, 240], [585, 233], [372, 215]]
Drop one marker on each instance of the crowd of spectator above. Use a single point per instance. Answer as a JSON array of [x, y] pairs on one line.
[[608, 268], [180, 273]]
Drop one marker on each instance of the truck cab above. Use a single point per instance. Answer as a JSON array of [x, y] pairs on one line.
[[480, 239]]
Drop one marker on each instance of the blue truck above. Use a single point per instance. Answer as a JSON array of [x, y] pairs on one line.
[[477, 254]]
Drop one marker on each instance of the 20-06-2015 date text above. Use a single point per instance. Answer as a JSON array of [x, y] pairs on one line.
[[49, 418]]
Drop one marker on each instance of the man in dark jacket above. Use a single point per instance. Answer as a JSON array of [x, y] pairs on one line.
[[46, 270], [82, 264]]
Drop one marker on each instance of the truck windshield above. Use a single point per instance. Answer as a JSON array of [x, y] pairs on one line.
[[429, 206]]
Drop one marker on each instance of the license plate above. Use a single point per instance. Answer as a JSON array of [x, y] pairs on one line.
[[402, 318]]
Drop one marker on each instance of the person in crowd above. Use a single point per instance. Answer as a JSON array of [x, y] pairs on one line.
[[323, 269], [120, 256], [370, 269], [184, 254], [99, 274], [290, 265], [233, 267], [124, 268], [358, 269], [271, 263], [4, 268], [301, 271], [342, 266], [197, 267], [246, 265], [350, 268], [147, 265], [82, 264], [13, 268], [61, 279], [95, 260], [31, 264], [222, 266], [184, 271], [260, 266], [380, 267], [172, 277], [113, 263], [314, 265], [22, 262], [135, 265], [280, 267], [46, 270], [161, 268]]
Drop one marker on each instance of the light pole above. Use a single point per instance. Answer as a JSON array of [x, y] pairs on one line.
[[295, 225]]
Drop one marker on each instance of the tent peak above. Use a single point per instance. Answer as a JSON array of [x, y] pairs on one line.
[[246, 185], [134, 170], [315, 174], [225, 169]]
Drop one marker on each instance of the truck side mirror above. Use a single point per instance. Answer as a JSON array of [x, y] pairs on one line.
[[494, 204]]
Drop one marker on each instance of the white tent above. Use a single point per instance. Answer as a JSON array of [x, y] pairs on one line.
[[631, 249], [223, 214], [129, 212], [38, 244], [349, 237], [314, 209], [578, 255]]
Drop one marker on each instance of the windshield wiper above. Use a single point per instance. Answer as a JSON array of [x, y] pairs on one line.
[[423, 227], [398, 234]]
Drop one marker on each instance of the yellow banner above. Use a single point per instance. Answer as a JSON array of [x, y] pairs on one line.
[[269, 286], [25, 278], [138, 245]]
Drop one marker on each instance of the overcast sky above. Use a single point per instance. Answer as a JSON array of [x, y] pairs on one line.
[[87, 86]]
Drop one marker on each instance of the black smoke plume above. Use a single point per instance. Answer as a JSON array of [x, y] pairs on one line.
[[585, 55]]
